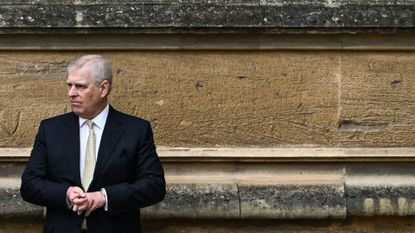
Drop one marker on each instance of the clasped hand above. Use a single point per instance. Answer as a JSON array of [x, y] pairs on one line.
[[83, 202]]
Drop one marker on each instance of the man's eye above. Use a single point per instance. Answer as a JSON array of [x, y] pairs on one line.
[[77, 86]]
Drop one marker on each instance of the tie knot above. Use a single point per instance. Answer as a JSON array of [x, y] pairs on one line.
[[90, 123]]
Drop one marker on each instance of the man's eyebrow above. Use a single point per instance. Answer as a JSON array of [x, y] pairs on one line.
[[75, 83]]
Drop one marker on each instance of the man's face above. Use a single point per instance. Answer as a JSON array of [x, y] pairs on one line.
[[87, 99]]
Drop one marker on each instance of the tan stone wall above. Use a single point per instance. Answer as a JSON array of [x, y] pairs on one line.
[[229, 98]]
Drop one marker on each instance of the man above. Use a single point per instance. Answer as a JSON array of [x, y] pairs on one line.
[[95, 167]]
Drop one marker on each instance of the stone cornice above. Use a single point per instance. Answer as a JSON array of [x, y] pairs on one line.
[[240, 42], [167, 16], [296, 155]]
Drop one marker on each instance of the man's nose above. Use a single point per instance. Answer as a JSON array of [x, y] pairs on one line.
[[71, 91]]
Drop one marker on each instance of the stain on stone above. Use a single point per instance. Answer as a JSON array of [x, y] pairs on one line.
[[352, 126], [54, 68], [10, 121], [395, 84], [200, 85], [185, 123], [17, 87], [159, 102], [373, 66], [120, 72], [242, 77], [154, 121]]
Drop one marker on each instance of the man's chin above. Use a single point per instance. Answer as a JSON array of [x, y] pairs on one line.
[[77, 111]]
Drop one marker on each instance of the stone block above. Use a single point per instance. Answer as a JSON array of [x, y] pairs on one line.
[[13, 206], [292, 201], [192, 201], [380, 190], [250, 98], [377, 99], [167, 15], [216, 98]]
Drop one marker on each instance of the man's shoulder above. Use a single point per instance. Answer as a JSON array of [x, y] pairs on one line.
[[59, 118]]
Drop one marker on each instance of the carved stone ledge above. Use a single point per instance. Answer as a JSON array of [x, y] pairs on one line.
[[217, 16], [297, 155]]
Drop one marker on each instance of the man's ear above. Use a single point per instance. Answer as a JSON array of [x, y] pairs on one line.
[[105, 88]]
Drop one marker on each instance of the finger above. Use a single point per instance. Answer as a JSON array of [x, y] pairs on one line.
[[79, 201], [91, 207], [83, 207], [75, 193], [81, 194], [78, 191], [90, 210]]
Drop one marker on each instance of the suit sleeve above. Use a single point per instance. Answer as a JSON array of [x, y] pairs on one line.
[[149, 186], [36, 186]]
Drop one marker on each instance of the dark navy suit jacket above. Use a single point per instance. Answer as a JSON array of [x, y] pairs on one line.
[[127, 167]]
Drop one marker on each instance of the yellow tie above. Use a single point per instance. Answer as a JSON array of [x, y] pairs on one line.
[[89, 157]]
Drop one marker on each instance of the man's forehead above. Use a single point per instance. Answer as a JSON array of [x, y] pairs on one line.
[[76, 81]]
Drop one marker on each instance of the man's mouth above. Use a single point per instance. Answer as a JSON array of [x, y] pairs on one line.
[[75, 103]]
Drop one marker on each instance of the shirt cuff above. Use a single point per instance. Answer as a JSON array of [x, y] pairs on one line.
[[104, 192], [68, 204]]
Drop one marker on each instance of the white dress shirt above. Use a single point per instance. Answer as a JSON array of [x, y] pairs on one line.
[[99, 125]]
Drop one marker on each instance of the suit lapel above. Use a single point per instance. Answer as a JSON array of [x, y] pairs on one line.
[[112, 132], [71, 145]]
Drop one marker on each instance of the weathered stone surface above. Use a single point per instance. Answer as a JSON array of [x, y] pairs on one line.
[[220, 201], [197, 201], [178, 158], [380, 190], [377, 99], [32, 88], [219, 190], [12, 205], [186, 201], [293, 201], [167, 15], [230, 98], [191, 98], [290, 98]]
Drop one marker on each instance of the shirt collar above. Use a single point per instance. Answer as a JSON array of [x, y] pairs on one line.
[[99, 120]]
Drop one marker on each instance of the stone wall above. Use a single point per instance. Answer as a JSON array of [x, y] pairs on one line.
[[269, 115], [230, 98]]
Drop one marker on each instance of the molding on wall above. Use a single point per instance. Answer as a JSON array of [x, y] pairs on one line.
[[297, 155], [403, 42], [260, 191], [222, 16]]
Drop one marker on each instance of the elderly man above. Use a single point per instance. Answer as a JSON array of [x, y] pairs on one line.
[[95, 167]]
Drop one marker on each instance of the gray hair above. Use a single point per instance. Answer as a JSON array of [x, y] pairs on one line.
[[100, 68]]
